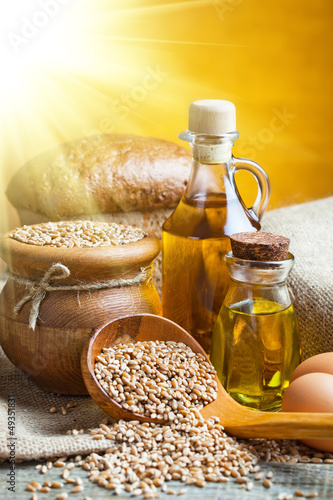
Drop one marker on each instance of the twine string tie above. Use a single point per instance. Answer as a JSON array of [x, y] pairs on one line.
[[37, 289]]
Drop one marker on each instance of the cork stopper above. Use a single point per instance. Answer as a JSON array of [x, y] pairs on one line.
[[212, 117], [260, 246]]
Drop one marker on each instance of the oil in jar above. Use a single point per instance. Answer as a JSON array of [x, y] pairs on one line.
[[255, 350]]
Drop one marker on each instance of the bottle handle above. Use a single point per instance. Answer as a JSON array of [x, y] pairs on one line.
[[264, 188]]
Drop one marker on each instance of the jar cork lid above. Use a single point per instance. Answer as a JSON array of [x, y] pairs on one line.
[[260, 246], [212, 117]]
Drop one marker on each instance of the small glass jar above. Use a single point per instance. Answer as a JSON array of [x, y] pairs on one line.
[[255, 344]]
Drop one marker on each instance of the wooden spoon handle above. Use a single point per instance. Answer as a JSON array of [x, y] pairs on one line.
[[246, 423], [283, 426]]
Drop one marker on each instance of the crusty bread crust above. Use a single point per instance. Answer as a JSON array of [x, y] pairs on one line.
[[110, 173]]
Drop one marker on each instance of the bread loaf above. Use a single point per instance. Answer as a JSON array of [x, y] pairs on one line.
[[127, 179]]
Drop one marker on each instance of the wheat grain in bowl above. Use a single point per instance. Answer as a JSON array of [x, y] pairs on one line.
[[158, 379], [84, 233]]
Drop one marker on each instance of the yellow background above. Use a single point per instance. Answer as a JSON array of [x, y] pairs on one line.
[[87, 70]]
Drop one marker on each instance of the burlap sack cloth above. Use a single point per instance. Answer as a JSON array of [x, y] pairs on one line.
[[310, 228], [41, 434]]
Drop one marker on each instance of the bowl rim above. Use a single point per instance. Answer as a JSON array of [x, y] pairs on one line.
[[31, 261]]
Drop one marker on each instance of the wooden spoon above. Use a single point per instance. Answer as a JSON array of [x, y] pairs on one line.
[[237, 420]]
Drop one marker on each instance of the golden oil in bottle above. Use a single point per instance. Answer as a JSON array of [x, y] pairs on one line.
[[255, 350], [195, 277]]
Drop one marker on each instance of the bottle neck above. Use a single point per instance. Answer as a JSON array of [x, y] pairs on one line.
[[209, 178], [259, 272], [209, 181], [206, 153], [210, 149]]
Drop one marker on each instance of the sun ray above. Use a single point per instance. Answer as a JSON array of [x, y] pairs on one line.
[[164, 8], [87, 70], [91, 89], [157, 40]]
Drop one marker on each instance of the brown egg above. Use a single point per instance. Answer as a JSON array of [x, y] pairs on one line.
[[312, 392], [322, 363]]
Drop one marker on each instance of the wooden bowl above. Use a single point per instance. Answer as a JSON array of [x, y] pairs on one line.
[[51, 353], [134, 328]]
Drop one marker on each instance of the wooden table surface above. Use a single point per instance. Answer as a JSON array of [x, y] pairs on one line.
[[287, 479]]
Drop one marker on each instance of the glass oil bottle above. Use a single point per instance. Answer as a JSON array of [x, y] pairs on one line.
[[255, 344], [195, 237]]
